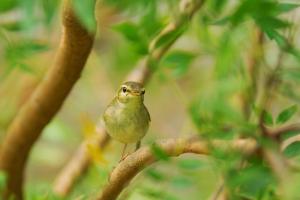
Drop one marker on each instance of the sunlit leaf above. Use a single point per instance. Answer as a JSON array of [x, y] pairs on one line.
[[88, 126], [286, 114], [292, 150]]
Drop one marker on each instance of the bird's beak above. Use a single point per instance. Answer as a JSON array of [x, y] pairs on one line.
[[135, 93]]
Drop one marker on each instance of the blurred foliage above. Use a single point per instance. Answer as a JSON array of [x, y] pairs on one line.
[[201, 85]]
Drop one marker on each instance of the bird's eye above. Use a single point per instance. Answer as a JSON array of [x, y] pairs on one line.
[[124, 89], [143, 91]]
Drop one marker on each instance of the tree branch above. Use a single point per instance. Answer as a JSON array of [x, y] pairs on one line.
[[136, 162], [45, 102], [142, 73], [281, 130]]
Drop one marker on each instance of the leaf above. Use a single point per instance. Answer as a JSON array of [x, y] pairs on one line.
[[2, 180], [190, 164], [49, 7], [286, 7], [292, 150], [181, 182], [85, 11], [150, 24], [155, 174], [270, 22], [159, 153], [179, 61], [267, 117], [7, 5], [88, 127], [131, 32], [273, 34], [286, 114], [16, 53]]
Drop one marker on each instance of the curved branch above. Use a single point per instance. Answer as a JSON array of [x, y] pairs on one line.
[[136, 162], [142, 73], [284, 129], [45, 102]]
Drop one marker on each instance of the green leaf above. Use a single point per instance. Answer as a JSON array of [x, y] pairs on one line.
[[270, 22], [179, 61], [49, 7], [85, 11], [181, 182], [292, 150], [132, 33], [280, 40], [286, 7], [7, 5], [17, 52], [267, 117], [2, 180], [155, 174], [129, 30], [150, 24], [286, 114], [190, 164], [159, 153]]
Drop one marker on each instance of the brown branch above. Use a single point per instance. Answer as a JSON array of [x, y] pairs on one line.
[[136, 162], [45, 102], [281, 130], [142, 73]]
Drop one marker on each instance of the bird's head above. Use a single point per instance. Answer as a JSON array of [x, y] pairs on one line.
[[131, 92]]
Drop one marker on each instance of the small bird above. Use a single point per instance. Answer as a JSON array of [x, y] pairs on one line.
[[126, 118]]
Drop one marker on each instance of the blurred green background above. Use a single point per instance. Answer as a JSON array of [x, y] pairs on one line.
[[202, 86]]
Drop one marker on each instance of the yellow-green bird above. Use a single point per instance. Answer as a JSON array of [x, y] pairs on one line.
[[126, 118]]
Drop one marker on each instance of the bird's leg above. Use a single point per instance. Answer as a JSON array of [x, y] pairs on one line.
[[123, 153], [138, 145]]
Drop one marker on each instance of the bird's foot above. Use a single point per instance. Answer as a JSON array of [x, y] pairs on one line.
[[124, 157]]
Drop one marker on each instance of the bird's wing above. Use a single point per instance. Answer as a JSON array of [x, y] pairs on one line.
[[148, 114]]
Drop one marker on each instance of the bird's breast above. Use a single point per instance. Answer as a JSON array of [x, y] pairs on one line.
[[125, 124]]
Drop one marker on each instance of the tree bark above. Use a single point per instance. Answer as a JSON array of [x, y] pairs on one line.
[[45, 102]]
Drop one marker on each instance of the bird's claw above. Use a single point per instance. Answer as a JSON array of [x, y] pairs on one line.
[[124, 157]]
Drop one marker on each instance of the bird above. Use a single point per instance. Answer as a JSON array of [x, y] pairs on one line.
[[126, 118]]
